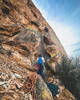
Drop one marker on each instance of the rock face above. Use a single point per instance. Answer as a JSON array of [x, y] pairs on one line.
[[23, 30], [24, 34], [17, 83]]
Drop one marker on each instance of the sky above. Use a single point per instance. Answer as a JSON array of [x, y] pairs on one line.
[[64, 17]]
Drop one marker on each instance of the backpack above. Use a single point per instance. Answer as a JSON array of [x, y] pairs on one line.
[[53, 88]]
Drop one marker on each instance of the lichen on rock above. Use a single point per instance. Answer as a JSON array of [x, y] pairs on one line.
[[24, 34]]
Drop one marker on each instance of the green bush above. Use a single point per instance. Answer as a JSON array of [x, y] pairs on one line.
[[69, 73]]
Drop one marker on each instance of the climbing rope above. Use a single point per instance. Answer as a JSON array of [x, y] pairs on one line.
[[29, 86], [30, 83]]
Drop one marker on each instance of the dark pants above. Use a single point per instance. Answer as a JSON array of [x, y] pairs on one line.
[[40, 71]]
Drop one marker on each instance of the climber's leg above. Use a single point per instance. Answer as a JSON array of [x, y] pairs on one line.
[[41, 73]]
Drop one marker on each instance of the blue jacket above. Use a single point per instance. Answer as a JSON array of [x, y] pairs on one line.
[[40, 61]]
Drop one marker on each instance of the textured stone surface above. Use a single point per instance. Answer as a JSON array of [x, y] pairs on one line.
[[24, 34], [13, 78]]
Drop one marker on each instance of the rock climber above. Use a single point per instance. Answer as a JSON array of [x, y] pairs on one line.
[[41, 62]]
